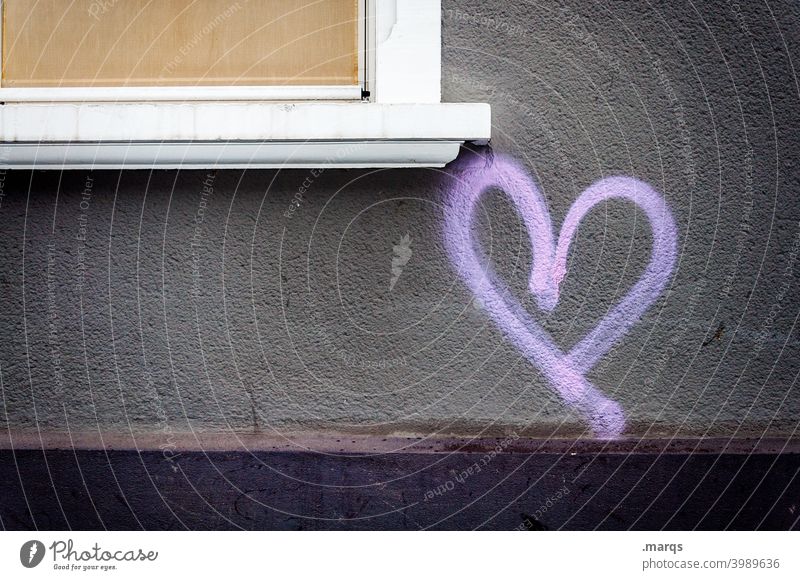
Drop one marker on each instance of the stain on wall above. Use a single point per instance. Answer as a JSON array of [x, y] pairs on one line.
[[273, 302]]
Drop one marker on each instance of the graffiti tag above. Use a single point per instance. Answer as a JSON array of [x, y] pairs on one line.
[[565, 371]]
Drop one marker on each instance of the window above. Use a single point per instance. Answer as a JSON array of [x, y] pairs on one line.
[[183, 43], [227, 83]]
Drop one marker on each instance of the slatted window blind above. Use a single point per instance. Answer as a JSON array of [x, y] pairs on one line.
[[162, 43]]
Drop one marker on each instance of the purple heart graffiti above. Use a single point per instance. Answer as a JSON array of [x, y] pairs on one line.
[[566, 372]]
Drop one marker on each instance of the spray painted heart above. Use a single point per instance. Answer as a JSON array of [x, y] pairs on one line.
[[566, 372]]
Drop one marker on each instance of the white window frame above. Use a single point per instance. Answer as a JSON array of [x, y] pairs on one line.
[[394, 118], [194, 92]]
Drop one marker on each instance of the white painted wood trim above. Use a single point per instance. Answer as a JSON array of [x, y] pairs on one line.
[[320, 121], [183, 94], [239, 155], [408, 46], [2, 21]]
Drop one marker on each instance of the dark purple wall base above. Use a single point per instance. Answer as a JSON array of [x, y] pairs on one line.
[[123, 490]]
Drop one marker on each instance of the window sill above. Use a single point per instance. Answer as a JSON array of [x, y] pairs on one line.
[[237, 135]]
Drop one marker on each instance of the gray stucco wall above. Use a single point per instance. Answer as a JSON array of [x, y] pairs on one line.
[[187, 300]]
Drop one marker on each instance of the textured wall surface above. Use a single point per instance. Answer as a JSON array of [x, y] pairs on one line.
[[168, 301]]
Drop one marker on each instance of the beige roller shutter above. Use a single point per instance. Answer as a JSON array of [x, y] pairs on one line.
[[114, 43]]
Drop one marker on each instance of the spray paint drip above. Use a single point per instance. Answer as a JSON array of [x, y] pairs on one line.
[[565, 372]]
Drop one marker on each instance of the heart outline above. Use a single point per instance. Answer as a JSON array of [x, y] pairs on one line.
[[565, 372]]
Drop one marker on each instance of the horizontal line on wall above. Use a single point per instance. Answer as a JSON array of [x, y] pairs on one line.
[[338, 443]]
